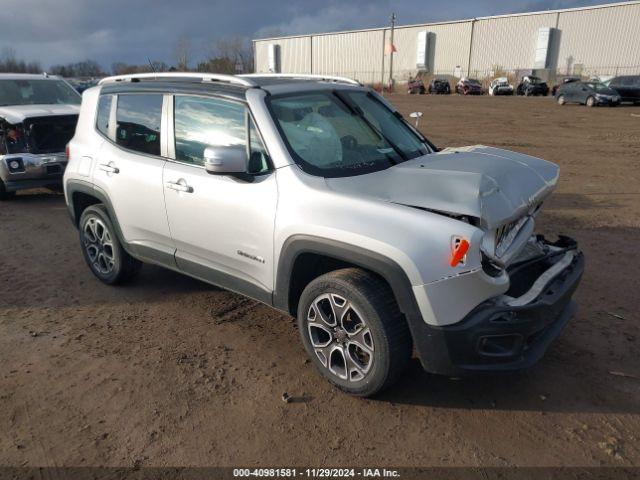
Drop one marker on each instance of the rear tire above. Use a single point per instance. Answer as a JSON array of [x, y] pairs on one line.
[[353, 331], [591, 102], [102, 250], [4, 195]]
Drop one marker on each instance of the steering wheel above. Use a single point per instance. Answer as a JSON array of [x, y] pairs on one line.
[[349, 142]]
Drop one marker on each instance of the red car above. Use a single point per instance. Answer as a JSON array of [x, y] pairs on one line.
[[416, 85], [468, 86]]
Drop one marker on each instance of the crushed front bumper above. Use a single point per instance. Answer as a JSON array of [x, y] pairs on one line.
[[511, 331], [33, 170]]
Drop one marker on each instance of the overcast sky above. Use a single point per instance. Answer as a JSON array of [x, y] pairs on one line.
[[62, 31]]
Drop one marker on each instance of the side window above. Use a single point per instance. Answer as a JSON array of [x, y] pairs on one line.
[[104, 110], [209, 122], [138, 119], [206, 122]]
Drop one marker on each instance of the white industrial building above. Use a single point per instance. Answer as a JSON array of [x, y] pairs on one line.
[[596, 40]]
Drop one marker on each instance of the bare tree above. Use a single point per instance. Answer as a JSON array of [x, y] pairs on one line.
[[231, 55], [183, 53], [159, 66], [9, 63], [86, 68]]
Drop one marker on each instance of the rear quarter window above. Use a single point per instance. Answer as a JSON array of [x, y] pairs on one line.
[[104, 112], [138, 118]]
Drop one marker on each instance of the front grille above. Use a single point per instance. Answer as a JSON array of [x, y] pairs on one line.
[[50, 134], [53, 169]]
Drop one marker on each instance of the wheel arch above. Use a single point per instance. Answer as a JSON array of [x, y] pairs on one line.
[[81, 195], [298, 265]]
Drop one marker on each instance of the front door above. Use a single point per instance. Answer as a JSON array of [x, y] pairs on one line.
[[222, 226]]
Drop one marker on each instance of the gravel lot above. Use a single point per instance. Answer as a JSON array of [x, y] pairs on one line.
[[169, 371]]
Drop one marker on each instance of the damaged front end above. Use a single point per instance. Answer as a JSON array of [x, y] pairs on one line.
[[513, 330], [32, 152]]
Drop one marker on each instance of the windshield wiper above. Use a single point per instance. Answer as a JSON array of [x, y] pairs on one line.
[[357, 111]]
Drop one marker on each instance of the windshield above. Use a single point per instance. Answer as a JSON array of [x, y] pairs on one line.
[[37, 92], [344, 133], [472, 81], [535, 80], [599, 87]]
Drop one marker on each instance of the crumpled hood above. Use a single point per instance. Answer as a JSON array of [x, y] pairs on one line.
[[18, 113], [494, 185]]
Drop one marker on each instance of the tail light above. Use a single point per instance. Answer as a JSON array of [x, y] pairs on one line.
[[67, 152]]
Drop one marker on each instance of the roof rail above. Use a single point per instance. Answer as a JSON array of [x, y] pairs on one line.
[[304, 76], [203, 77]]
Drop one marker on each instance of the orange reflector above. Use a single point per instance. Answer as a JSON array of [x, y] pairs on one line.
[[460, 251]]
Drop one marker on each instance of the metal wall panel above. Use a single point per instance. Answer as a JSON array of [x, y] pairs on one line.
[[604, 40], [507, 42], [295, 54], [356, 55], [449, 47]]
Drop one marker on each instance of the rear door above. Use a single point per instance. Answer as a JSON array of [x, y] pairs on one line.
[[222, 226], [129, 170], [568, 90]]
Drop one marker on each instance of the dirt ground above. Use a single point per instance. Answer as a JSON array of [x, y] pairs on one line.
[[169, 371]]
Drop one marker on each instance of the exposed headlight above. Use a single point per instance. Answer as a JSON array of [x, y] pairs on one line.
[[15, 165]]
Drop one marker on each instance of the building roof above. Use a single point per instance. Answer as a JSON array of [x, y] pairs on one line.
[[427, 24]]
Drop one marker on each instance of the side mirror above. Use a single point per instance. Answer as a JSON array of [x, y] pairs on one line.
[[225, 160], [417, 116]]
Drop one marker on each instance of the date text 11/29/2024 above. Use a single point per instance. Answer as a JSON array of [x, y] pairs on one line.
[[316, 472]]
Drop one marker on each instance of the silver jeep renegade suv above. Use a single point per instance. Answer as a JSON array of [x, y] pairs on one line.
[[313, 195]]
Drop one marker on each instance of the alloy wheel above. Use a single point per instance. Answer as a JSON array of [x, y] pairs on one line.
[[340, 337], [98, 244]]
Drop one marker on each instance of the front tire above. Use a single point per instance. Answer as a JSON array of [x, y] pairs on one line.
[[591, 102], [353, 331], [561, 100], [102, 250]]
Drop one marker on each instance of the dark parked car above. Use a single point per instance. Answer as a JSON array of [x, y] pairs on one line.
[[587, 93], [531, 85], [469, 86], [439, 86], [628, 87], [555, 88]]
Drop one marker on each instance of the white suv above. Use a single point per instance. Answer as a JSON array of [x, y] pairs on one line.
[[38, 115], [313, 195]]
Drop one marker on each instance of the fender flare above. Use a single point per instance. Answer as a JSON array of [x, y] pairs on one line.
[[387, 268], [79, 186]]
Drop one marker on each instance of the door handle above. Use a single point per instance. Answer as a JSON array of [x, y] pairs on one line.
[[109, 167], [180, 186]]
